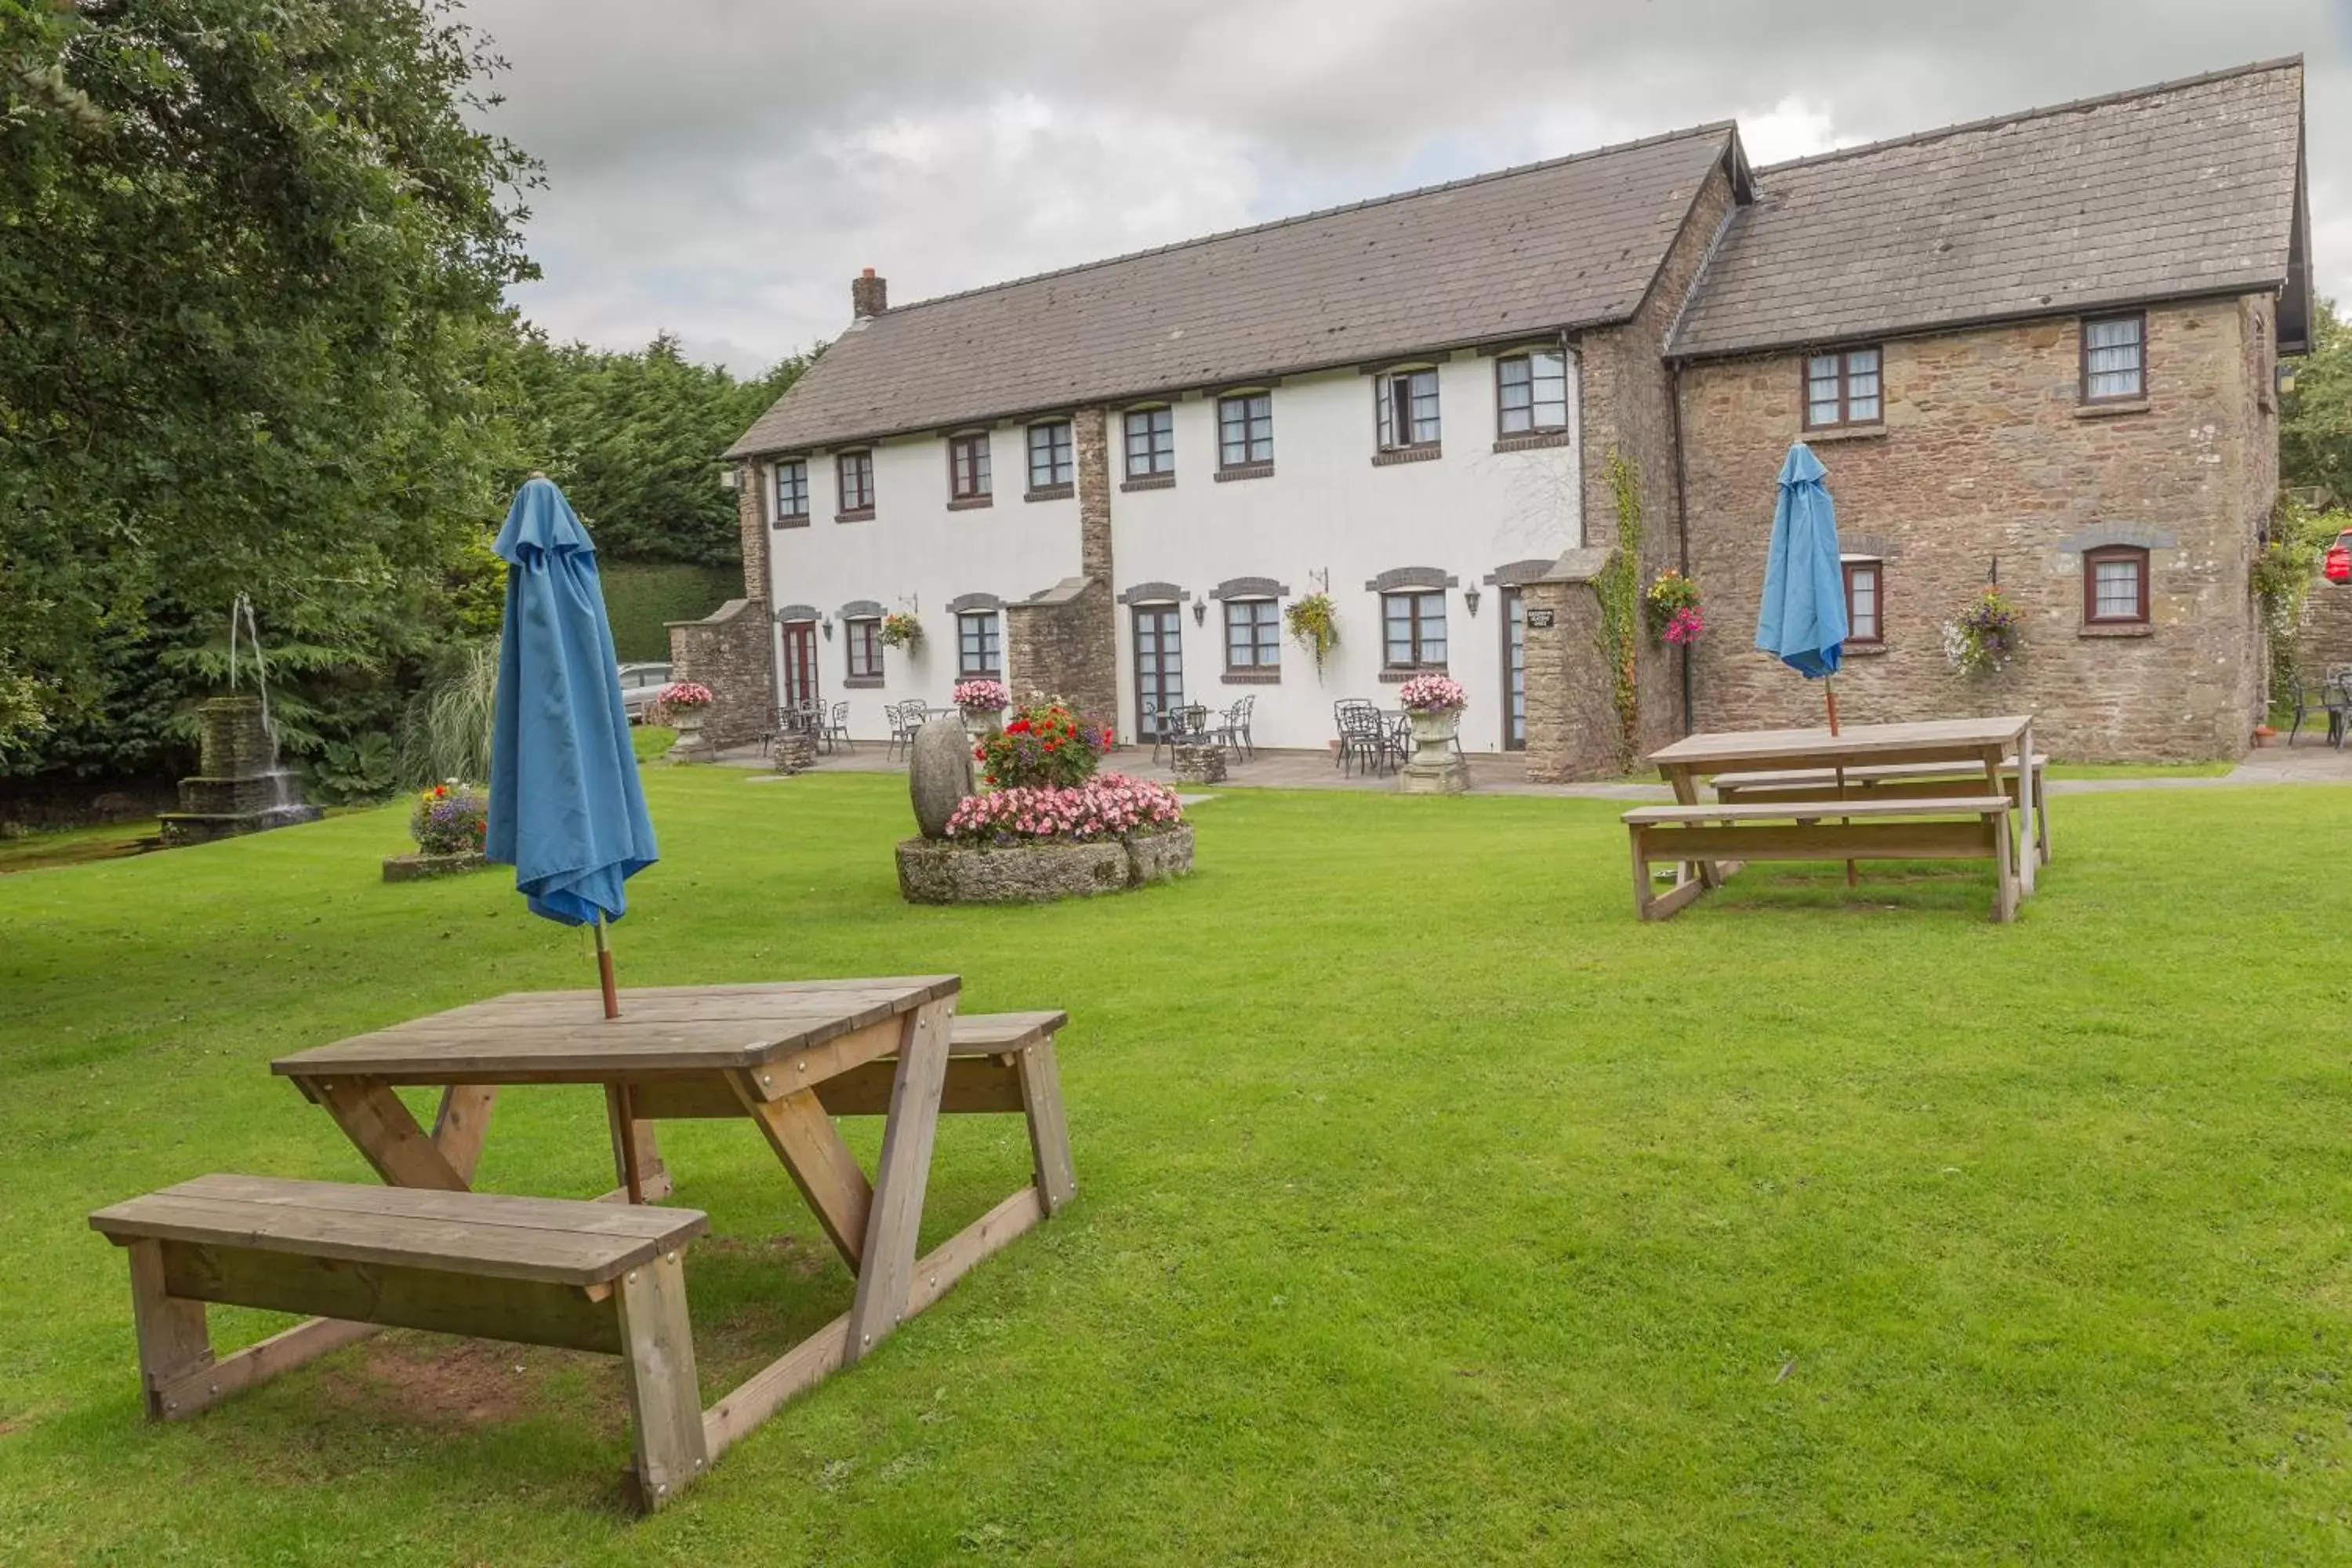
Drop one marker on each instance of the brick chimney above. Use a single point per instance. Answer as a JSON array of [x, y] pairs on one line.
[[869, 296]]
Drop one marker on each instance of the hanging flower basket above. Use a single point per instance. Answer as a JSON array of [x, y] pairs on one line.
[[1984, 637], [1672, 608], [900, 629], [1314, 626]]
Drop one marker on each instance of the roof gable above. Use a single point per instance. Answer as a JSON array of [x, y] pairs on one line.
[[1570, 243], [2184, 188]]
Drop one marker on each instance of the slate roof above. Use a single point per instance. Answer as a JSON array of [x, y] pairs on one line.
[[2188, 187], [1571, 243]]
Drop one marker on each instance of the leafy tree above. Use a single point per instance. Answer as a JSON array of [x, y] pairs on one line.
[[2316, 418], [251, 265], [634, 439]]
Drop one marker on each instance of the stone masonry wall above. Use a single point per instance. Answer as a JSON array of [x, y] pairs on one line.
[[730, 651], [1627, 400], [2325, 638], [1986, 455], [1065, 641], [1572, 726]]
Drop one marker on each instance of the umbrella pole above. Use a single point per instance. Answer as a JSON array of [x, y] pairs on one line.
[[604, 972], [1829, 695]]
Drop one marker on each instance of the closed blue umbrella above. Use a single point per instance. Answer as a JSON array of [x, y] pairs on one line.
[[1803, 620], [566, 810]]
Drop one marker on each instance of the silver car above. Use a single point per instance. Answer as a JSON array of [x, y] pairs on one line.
[[640, 684]]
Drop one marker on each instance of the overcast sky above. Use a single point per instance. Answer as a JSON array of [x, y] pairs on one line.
[[719, 169]]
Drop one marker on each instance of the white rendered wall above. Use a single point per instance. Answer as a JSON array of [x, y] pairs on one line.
[[1327, 514], [916, 554]]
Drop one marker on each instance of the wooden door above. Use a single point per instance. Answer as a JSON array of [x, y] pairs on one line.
[[1515, 672], [800, 663], [1159, 663]]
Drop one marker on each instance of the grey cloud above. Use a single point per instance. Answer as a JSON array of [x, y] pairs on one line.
[[721, 167]]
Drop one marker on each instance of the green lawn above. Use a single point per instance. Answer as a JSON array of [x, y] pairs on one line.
[[1430, 1210]]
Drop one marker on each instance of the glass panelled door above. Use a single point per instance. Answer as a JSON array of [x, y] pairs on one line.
[[800, 663], [1515, 672], [1159, 664]]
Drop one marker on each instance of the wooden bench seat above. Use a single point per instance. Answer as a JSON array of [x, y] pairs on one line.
[[1893, 780], [587, 1276], [1933, 827]]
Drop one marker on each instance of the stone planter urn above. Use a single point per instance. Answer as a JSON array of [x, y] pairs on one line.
[[1435, 768], [688, 722]]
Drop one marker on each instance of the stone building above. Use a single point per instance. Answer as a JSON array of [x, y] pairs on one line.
[[1442, 409]]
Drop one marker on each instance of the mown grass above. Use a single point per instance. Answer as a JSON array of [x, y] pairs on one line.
[[1430, 1210]]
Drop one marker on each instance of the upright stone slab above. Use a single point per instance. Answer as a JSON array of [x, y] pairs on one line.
[[938, 774]]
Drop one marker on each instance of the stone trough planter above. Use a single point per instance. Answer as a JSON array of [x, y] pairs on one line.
[[938, 871], [416, 868]]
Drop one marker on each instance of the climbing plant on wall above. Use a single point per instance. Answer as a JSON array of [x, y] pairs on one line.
[[1620, 590]]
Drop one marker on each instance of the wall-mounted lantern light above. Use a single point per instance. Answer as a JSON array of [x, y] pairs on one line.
[[1200, 612], [827, 624], [1470, 598]]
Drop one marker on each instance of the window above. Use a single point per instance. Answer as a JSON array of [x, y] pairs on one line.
[[1413, 630], [856, 471], [1151, 442], [1865, 601], [1253, 635], [1245, 430], [2115, 585], [977, 650], [1531, 392], [1408, 410], [1049, 455], [792, 492], [2114, 358], [968, 468], [864, 639], [1842, 388]]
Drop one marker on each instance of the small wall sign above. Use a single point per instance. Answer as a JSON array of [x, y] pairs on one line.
[[1538, 618]]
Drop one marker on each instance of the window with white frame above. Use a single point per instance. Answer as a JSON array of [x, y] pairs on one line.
[[1413, 630], [1408, 408], [978, 650], [1151, 442], [1253, 635], [1531, 392]]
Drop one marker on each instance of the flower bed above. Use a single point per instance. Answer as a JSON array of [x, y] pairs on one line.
[[1043, 744], [1034, 844], [448, 823]]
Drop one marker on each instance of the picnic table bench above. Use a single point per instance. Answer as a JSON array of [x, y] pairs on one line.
[[542, 1271], [788, 1057], [1932, 790], [1933, 829]]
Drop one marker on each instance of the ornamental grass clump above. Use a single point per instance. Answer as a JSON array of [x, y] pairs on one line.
[[1043, 745], [449, 819], [1109, 806], [1434, 694]]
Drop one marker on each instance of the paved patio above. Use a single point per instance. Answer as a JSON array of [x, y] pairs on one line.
[[2309, 762]]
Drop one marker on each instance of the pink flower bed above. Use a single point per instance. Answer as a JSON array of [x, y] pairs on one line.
[[1104, 806]]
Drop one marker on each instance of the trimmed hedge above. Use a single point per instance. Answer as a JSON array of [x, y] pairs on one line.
[[643, 597]]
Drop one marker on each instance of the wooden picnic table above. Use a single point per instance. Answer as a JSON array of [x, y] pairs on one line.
[[788, 1057], [1990, 744]]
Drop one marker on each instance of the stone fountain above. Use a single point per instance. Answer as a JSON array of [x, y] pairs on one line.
[[238, 787]]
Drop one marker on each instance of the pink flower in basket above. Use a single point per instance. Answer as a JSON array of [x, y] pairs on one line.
[[1683, 626], [685, 694], [980, 693], [1434, 694]]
